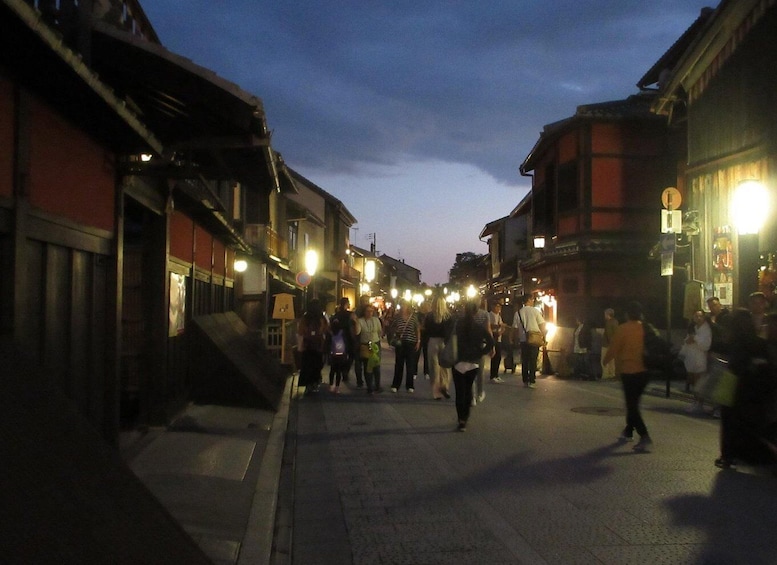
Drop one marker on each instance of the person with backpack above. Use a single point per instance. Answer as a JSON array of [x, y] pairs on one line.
[[311, 337], [339, 355]]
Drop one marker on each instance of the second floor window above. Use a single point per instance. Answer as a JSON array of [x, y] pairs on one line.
[[293, 232], [567, 187]]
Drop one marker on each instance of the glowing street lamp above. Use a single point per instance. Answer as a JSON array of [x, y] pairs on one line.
[[240, 265], [749, 209], [311, 261]]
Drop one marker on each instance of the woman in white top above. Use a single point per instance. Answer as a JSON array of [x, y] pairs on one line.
[[370, 332]]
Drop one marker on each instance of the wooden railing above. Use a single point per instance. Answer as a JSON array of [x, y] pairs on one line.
[[267, 239]]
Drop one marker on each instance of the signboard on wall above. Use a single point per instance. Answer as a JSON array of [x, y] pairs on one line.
[[177, 311]]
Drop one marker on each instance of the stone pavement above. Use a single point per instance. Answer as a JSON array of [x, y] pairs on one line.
[[538, 477]]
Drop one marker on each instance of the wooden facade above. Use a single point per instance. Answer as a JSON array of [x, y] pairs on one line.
[[110, 244], [720, 91], [596, 199]]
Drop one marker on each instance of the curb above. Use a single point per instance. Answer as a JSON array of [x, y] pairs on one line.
[[257, 544]]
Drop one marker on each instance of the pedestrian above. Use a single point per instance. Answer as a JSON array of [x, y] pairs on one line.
[[438, 326], [694, 353], [719, 320], [364, 301], [473, 342], [339, 354], [746, 425], [627, 349], [482, 318], [581, 345], [348, 325], [610, 325], [406, 338], [423, 310], [527, 320], [311, 337], [497, 331], [370, 332]]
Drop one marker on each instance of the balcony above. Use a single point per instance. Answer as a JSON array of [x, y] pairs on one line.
[[266, 239]]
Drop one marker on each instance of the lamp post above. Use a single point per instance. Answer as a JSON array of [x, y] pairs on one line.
[[749, 209]]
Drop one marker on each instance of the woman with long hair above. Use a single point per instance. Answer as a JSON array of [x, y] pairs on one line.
[[438, 326], [473, 343]]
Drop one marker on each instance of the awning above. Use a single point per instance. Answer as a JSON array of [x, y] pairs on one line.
[[210, 124], [35, 55]]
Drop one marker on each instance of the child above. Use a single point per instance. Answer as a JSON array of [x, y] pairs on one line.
[[338, 356]]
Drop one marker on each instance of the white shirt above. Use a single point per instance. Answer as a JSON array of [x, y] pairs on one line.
[[531, 318]]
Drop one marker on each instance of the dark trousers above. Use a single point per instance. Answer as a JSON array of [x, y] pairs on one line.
[[406, 361], [462, 382], [358, 368], [311, 363], [373, 378], [633, 386], [496, 360], [337, 371], [529, 355]]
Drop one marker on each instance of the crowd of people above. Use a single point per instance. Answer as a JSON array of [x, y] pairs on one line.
[[739, 345], [483, 340]]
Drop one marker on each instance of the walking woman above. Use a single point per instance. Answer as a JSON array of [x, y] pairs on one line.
[[473, 343], [311, 334], [627, 349], [438, 326], [406, 337]]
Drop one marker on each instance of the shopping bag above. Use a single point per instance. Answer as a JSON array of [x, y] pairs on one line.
[[719, 385]]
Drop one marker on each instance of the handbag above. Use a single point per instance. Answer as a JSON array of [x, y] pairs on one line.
[[535, 339], [719, 385], [450, 352], [365, 350]]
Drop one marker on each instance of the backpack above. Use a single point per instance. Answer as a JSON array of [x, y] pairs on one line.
[[338, 349], [313, 337], [657, 353]]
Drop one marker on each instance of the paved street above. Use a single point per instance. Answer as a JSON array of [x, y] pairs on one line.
[[538, 477]]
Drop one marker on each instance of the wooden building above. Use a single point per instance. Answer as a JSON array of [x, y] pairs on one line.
[[597, 179]]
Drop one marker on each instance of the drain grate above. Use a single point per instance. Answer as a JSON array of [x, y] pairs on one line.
[[599, 411]]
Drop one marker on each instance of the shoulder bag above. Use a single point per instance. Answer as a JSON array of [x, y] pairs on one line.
[[533, 338]]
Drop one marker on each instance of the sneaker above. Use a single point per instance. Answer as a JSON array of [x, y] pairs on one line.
[[411, 390], [626, 437], [393, 389], [497, 380], [643, 443], [337, 390], [532, 385], [426, 377], [722, 463], [482, 396], [474, 401], [462, 426]]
